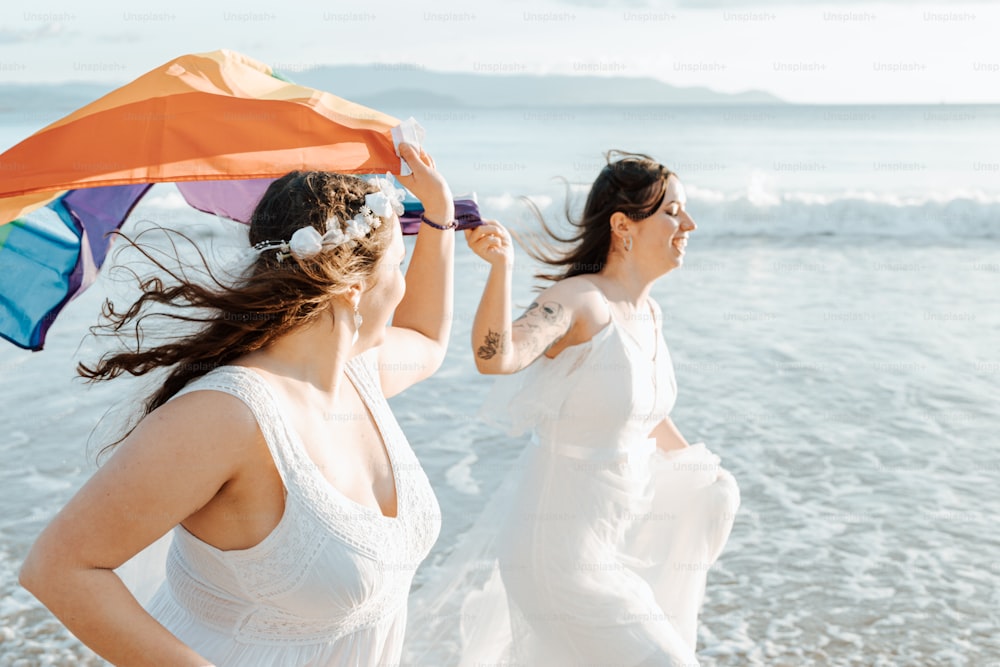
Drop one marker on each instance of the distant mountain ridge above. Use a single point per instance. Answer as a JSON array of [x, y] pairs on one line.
[[381, 85], [433, 88]]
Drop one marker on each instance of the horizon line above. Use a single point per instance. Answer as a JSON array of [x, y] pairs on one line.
[[399, 66]]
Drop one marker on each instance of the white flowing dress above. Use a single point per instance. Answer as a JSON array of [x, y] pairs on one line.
[[329, 585], [603, 541]]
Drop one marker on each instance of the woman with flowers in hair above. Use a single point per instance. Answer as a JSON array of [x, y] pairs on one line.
[[299, 511], [615, 518]]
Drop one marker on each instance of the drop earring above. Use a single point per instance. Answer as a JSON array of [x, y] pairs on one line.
[[358, 321], [628, 244]]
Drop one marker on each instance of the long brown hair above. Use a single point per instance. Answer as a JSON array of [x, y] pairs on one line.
[[275, 296], [632, 183]]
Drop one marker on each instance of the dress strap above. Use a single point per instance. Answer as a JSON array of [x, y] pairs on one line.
[[363, 372], [654, 310], [362, 369], [248, 386]]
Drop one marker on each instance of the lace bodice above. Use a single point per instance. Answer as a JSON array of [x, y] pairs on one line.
[[604, 395], [331, 567]]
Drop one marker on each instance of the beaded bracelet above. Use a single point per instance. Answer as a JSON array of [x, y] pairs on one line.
[[451, 225]]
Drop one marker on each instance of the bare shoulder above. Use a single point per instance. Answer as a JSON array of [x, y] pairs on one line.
[[584, 297], [170, 466], [576, 296], [585, 310], [187, 450], [657, 311], [204, 423], [571, 288]]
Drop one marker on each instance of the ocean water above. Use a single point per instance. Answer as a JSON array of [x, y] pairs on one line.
[[835, 335]]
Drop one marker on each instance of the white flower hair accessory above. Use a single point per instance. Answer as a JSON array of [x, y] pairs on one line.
[[388, 200], [306, 242], [379, 204]]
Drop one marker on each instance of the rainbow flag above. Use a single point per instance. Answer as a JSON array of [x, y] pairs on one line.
[[220, 125]]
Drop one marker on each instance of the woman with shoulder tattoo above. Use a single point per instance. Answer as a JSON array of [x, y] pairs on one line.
[[616, 518]]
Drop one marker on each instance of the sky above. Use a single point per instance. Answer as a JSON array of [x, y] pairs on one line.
[[804, 52]]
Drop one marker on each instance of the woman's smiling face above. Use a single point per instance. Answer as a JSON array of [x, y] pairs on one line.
[[660, 239]]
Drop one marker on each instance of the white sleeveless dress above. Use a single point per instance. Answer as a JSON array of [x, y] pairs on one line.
[[604, 541], [329, 585]]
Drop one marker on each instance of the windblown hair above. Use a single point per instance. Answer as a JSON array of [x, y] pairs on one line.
[[632, 183], [271, 299]]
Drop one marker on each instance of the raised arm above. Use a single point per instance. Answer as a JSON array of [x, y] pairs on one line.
[[170, 466], [502, 346], [416, 342]]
